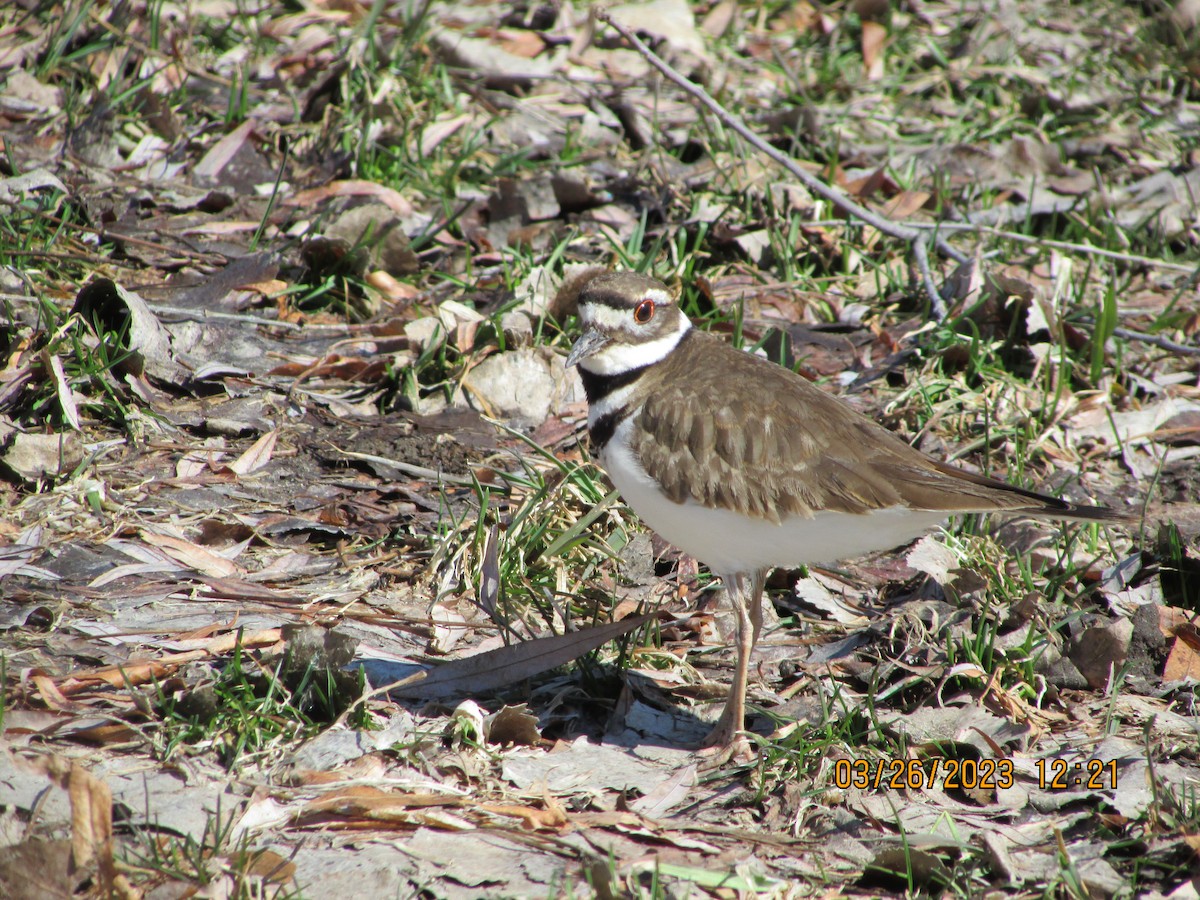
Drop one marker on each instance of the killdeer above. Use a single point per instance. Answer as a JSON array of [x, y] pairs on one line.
[[745, 465]]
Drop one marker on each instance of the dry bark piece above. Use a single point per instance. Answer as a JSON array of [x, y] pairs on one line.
[[505, 665]]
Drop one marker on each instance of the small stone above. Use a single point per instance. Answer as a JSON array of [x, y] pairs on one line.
[[516, 385], [1099, 653], [35, 457], [421, 333], [517, 327], [375, 227]]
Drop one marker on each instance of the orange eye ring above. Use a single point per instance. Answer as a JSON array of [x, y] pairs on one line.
[[643, 312]]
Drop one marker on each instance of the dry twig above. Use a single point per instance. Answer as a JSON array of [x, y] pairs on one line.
[[919, 240]]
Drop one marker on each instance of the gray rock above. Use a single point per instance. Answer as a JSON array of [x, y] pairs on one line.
[[37, 456], [523, 385], [517, 326], [424, 331]]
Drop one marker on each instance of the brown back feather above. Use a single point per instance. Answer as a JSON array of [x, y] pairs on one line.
[[698, 442]]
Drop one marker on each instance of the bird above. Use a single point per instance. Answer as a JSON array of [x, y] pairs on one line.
[[746, 465]]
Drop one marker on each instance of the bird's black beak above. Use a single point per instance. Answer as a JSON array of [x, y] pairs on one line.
[[589, 343]]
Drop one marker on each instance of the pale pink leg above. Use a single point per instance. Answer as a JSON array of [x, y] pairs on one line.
[[725, 741]]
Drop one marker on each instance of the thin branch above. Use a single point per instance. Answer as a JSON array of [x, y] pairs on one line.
[[409, 468], [184, 314], [106, 234], [1155, 341], [1084, 249], [886, 226], [937, 303]]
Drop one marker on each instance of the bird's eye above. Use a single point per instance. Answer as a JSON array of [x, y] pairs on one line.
[[643, 312]]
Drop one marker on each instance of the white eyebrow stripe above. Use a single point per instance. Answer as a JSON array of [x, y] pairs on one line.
[[606, 318], [660, 298], [617, 358]]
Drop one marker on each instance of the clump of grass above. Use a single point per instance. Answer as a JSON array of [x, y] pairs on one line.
[[802, 753], [215, 860], [250, 708], [527, 553], [90, 355]]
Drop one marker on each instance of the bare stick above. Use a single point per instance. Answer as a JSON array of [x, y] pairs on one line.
[[1085, 249], [916, 238], [1157, 341], [408, 468]]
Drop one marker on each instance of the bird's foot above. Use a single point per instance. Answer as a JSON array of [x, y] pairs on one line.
[[724, 744]]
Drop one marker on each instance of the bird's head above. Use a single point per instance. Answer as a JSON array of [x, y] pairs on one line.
[[628, 320]]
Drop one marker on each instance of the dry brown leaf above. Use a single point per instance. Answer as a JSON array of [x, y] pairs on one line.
[[718, 19], [191, 465], [269, 288], [800, 17], [91, 821], [1184, 658], [489, 576], [102, 735], [513, 725], [672, 838], [876, 182], [66, 399], [228, 226], [267, 865], [874, 37], [1171, 618], [523, 42], [393, 289], [464, 338], [361, 807], [333, 366], [608, 819], [50, 694], [390, 197], [193, 555], [449, 627], [223, 151], [256, 457], [104, 303], [440, 130], [905, 203], [551, 819], [140, 673], [669, 794]]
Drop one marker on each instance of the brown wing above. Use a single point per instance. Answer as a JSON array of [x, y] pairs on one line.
[[786, 448]]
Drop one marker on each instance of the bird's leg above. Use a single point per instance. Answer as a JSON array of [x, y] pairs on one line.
[[725, 742], [756, 604]]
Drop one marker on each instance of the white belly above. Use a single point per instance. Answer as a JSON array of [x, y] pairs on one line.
[[728, 542]]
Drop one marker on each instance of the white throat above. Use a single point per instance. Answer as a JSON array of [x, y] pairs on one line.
[[619, 357]]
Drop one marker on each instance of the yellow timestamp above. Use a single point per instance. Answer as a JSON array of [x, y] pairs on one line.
[[916, 774], [1090, 774]]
